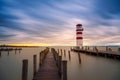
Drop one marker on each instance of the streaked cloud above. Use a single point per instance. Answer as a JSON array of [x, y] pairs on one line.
[[53, 22]]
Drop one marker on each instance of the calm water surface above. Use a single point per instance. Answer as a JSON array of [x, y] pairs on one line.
[[90, 68]]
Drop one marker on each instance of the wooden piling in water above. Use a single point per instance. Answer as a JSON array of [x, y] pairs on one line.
[[19, 50], [34, 64], [64, 69], [40, 63], [69, 55], [119, 50], [42, 57], [15, 51], [96, 50], [0, 53], [24, 69], [64, 53], [79, 58], [8, 53]]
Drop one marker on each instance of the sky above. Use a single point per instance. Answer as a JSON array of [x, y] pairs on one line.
[[53, 22]]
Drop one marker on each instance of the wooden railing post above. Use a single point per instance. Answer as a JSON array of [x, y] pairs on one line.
[[64, 53], [58, 50], [61, 52], [24, 69], [57, 56], [64, 71], [34, 64], [59, 67], [69, 55]]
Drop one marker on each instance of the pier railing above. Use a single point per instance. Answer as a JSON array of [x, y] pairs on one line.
[[42, 56], [61, 64]]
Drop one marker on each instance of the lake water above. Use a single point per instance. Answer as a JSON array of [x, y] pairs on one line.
[[90, 68]]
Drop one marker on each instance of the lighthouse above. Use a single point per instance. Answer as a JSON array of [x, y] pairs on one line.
[[79, 38]]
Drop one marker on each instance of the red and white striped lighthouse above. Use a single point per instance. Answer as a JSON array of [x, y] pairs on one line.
[[79, 38]]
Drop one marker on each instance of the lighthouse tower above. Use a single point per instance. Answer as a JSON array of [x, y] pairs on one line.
[[79, 38]]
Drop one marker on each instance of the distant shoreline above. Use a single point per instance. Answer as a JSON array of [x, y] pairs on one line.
[[20, 46]]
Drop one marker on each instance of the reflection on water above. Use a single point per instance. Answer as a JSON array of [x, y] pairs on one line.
[[80, 67]]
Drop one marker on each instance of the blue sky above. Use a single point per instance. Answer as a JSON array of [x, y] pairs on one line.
[[52, 22]]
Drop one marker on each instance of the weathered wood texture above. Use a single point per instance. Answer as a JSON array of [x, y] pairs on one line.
[[48, 70]]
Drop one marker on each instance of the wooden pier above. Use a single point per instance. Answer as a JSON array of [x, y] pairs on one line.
[[51, 66], [107, 54], [48, 70]]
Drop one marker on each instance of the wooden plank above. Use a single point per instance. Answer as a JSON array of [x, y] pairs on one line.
[[48, 70]]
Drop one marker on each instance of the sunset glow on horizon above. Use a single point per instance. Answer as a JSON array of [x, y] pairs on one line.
[[38, 45]]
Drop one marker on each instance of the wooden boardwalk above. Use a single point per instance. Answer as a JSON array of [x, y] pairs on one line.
[[109, 54], [48, 70]]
